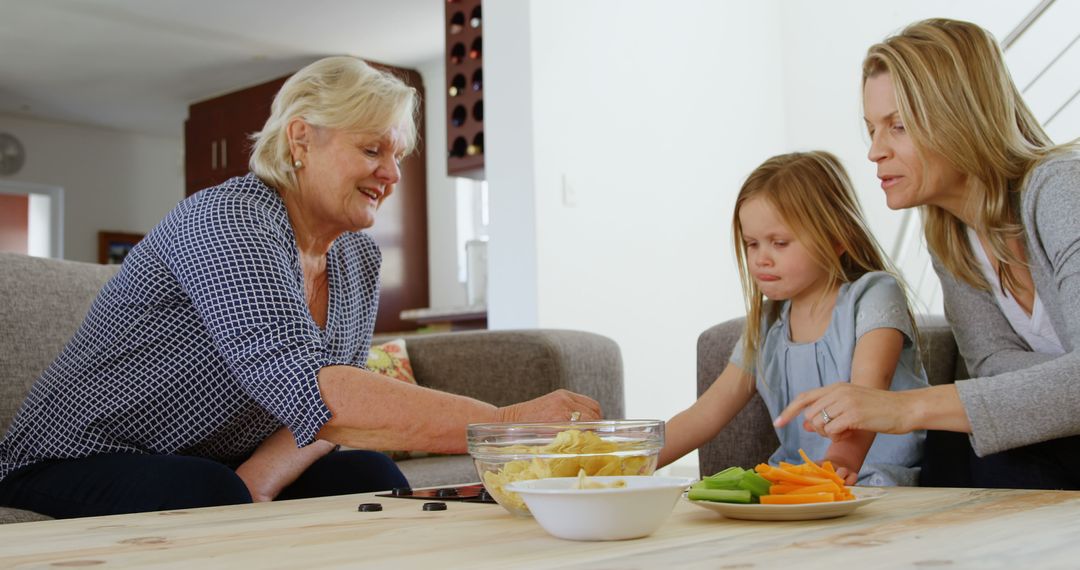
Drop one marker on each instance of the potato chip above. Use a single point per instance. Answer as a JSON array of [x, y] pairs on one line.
[[571, 453]]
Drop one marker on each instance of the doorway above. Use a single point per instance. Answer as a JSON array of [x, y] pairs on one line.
[[32, 219]]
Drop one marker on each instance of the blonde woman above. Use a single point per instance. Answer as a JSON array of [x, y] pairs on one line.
[[950, 134], [224, 362], [822, 307]]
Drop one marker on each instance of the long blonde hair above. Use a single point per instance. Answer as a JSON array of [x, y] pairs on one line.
[[957, 99], [339, 92], [814, 197]]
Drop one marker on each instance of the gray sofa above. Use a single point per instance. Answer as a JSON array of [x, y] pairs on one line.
[[750, 439], [45, 300]]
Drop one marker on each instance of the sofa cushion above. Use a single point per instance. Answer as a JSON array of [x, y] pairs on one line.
[[391, 359], [439, 471], [8, 515], [45, 301]]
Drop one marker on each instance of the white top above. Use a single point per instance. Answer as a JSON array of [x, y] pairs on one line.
[[1036, 329]]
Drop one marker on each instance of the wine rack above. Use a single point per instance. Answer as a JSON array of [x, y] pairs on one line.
[[464, 88]]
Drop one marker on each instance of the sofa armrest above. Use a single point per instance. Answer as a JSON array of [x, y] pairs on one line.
[[750, 438], [44, 303], [506, 367]]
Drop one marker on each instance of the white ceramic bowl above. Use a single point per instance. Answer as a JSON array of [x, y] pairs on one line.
[[633, 511]]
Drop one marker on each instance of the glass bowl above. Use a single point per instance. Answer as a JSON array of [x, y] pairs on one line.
[[508, 452]]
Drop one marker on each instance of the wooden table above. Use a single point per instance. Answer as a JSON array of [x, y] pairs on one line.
[[922, 528]]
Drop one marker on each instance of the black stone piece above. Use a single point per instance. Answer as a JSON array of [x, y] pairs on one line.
[[401, 492], [434, 506], [446, 492], [369, 507]]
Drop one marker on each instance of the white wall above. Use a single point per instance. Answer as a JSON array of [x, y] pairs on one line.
[[652, 127], [512, 296], [446, 289], [112, 180]]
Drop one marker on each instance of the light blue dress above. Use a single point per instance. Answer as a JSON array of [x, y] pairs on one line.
[[788, 368]]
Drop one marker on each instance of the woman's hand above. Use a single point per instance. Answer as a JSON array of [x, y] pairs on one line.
[[277, 463], [559, 405], [850, 407]]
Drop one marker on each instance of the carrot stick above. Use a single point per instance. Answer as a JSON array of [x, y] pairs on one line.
[[806, 459], [829, 487], [783, 476], [797, 499], [806, 480], [819, 471]]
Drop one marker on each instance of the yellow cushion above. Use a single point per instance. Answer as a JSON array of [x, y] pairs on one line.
[[391, 359]]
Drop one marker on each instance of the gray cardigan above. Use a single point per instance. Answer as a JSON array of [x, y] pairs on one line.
[[1018, 397]]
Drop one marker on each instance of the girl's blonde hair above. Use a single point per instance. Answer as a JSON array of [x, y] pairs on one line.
[[812, 194], [338, 92], [956, 98]]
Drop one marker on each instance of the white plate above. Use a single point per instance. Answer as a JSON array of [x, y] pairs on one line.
[[810, 511]]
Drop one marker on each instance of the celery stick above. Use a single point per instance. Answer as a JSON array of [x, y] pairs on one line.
[[756, 484], [719, 495], [727, 479]]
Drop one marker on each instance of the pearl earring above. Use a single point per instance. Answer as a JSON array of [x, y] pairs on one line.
[[297, 164]]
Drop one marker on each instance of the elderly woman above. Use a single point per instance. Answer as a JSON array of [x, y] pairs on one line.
[[950, 134], [224, 361]]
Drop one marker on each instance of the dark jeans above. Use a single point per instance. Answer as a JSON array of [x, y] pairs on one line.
[[949, 461], [129, 483]]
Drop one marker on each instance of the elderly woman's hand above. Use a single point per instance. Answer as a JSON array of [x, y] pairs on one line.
[[837, 409], [559, 405], [277, 463]]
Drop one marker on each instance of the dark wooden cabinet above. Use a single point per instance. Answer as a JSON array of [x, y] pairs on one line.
[[217, 147], [216, 143], [464, 88]]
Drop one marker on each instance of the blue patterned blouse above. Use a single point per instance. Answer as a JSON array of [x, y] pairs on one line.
[[203, 343]]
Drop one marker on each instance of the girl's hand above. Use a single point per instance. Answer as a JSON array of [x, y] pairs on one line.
[[850, 407], [850, 477]]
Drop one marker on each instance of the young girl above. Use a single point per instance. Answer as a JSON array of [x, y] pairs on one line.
[[822, 307]]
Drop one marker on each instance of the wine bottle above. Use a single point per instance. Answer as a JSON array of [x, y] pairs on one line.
[[474, 19], [478, 80], [478, 110], [457, 118], [457, 22], [457, 53], [477, 48], [457, 150], [457, 85], [478, 142]]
